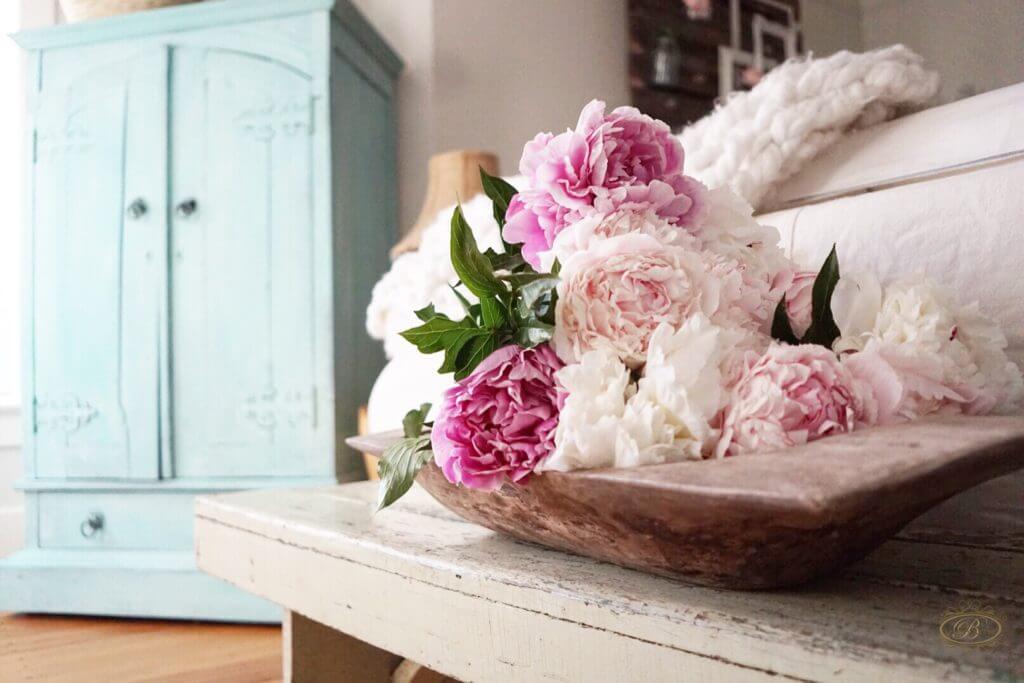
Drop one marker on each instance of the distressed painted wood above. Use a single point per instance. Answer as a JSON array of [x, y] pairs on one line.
[[99, 145], [755, 521], [205, 212], [243, 272], [419, 581], [123, 583]]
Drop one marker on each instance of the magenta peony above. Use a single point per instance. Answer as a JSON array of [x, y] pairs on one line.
[[619, 160], [792, 395], [499, 423]]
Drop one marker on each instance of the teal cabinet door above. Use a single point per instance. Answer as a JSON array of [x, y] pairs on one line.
[[97, 203], [244, 299]]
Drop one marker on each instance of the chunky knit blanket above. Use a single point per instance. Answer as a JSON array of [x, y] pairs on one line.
[[755, 140], [752, 142]]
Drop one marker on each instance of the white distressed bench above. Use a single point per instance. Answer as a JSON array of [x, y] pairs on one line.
[[364, 590]]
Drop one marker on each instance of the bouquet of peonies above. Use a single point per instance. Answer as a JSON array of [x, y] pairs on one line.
[[636, 317]]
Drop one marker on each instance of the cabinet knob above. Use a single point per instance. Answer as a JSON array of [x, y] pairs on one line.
[[186, 208], [136, 210], [92, 524]]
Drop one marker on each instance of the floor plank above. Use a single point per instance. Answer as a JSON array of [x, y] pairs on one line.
[[49, 648]]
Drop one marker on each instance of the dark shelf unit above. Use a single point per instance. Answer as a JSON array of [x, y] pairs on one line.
[[696, 90]]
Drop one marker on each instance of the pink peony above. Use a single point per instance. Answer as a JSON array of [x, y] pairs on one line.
[[743, 298], [499, 423], [615, 294], [680, 199], [798, 301], [619, 160], [909, 384], [792, 395]]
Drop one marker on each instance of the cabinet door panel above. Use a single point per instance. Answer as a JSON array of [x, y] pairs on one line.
[[246, 401], [99, 143]]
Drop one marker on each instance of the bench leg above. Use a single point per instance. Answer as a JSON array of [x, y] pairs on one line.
[[314, 653]]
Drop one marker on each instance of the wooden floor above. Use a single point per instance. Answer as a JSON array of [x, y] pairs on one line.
[[78, 649]]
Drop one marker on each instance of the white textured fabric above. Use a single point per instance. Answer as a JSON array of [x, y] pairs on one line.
[[962, 230], [757, 139], [418, 278]]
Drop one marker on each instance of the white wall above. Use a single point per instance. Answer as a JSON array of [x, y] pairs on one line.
[[490, 75], [508, 69], [13, 16], [11, 146], [830, 26], [975, 45], [11, 515]]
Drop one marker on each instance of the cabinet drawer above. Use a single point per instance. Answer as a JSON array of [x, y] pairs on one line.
[[137, 521]]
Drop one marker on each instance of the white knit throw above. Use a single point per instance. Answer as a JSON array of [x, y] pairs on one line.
[[757, 139], [752, 142]]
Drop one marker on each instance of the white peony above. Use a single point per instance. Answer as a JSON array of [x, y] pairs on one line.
[[597, 389], [943, 355], [646, 436], [670, 416], [688, 375]]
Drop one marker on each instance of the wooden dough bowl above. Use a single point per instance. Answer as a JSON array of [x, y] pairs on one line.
[[746, 522]]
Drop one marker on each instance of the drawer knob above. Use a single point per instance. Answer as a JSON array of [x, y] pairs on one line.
[[186, 208], [92, 524], [137, 209]]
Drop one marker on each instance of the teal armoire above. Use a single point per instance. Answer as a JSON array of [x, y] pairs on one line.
[[210, 198]]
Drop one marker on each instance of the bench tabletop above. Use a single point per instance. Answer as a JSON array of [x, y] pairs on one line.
[[420, 582]]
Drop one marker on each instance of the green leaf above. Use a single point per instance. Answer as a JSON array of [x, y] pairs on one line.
[[517, 280], [412, 423], [824, 285], [537, 300], [435, 334], [398, 467], [473, 354], [466, 306], [556, 268], [499, 192], [509, 261], [455, 345], [470, 265], [426, 313], [823, 329], [781, 327], [492, 313], [533, 333]]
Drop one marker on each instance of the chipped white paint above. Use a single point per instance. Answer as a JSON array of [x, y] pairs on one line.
[[421, 583]]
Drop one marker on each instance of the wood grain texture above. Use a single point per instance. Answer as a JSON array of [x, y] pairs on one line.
[[756, 521], [74, 649], [419, 581], [314, 653]]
